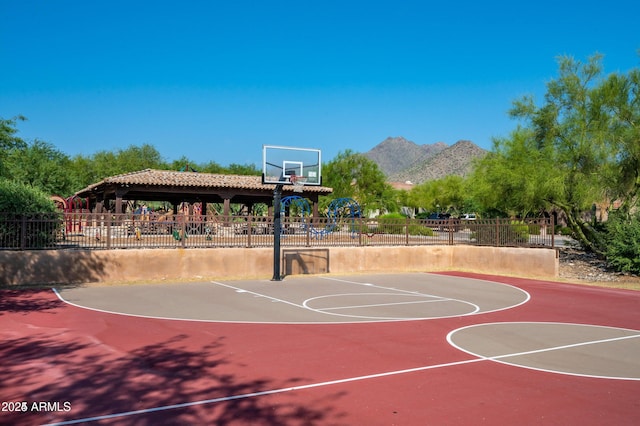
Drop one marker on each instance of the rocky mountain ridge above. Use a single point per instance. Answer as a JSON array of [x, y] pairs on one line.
[[402, 160]]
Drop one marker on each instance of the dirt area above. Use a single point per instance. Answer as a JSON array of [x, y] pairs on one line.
[[579, 267]]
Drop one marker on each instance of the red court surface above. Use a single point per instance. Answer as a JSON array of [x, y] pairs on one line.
[[569, 355]]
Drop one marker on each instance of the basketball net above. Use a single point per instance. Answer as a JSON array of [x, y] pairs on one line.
[[298, 183]]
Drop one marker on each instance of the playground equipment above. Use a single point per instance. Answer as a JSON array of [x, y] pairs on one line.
[[301, 204], [343, 208], [340, 208], [76, 210]]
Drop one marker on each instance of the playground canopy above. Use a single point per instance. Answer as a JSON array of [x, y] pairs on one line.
[[186, 187]]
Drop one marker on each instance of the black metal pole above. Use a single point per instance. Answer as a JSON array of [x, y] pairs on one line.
[[277, 194]]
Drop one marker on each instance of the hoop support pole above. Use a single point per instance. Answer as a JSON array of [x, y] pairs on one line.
[[277, 195]]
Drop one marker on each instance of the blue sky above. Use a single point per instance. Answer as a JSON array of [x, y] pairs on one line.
[[215, 80]]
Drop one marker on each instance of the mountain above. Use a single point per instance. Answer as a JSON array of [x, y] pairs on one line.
[[402, 160], [395, 154]]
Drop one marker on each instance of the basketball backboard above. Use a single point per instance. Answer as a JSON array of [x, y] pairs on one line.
[[284, 165]]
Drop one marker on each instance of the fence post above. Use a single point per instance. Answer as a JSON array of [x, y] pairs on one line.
[[23, 233], [249, 230], [406, 231], [497, 232], [553, 233], [109, 232], [450, 230], [183, 227]]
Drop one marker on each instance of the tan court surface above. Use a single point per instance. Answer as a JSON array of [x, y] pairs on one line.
[[309, 299]]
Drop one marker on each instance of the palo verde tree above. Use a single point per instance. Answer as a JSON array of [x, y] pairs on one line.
[[442, 195], [352, 175], [579, 148], [620, 99], [515, 178]]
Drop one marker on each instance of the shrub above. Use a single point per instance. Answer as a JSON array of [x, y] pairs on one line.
[[395, 223], [392, 216], [623, 243], [391, 223], [516, 233], [18, 201], [20, 198], [520, 231], [418, 229], [564, 230]]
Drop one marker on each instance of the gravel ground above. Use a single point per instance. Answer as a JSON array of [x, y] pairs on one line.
[[576, 266]]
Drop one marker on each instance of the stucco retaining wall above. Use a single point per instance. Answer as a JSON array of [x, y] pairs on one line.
[[135, 265]]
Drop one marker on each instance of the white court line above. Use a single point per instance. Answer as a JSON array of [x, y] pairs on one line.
[[332, 382], [399, 291], [261, 393], [527, 296], [305, 305], [126, 314], [373, 319], [379, 304], [386, 288], [275, 299], [500, 358]]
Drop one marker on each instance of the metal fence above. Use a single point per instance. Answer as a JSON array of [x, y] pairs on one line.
[[121, 231]]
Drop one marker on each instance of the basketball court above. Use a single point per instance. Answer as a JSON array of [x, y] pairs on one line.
[[364, 349], [383, 349]]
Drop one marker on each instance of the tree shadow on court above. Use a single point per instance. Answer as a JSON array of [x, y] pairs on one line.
[[26, 301], [97, 380]]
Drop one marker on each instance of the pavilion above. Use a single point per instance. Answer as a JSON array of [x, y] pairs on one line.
[[177, 187]]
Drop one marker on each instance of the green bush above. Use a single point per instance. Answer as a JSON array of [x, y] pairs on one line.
[[516, 233], [564, 230], [18, 202], [395, 223], [533, 229], [520, 231], [392, 216], [417, 229], [623, 243], [391, 223], [20, 198]]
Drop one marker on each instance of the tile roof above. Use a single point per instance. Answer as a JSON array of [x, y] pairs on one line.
[[172, 178]]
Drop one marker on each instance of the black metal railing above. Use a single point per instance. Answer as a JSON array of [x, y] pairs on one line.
[[119, 231]]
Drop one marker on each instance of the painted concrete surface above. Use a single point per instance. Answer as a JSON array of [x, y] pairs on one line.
[[313, 299], [566, 356]]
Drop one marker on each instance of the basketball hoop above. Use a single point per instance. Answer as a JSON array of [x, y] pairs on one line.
[[298, 183]]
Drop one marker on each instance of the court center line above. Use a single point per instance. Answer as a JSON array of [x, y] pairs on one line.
[[327, 383], [415, 293], [261, 393], [387, 288], [381, 304], [556, 348]]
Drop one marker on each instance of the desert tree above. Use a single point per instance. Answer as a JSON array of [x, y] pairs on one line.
[[579, 148], [352, 175]]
